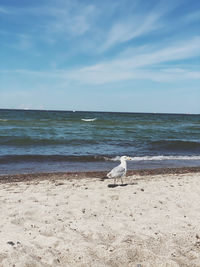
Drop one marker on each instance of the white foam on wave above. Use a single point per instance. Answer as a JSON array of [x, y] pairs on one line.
[[3, 120], [147, 158], [158, 158], [117, 158]]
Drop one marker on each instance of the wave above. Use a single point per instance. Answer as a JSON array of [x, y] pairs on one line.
[[28, 141], [48, 158], [175, 145], [85, 158], [3, 120]]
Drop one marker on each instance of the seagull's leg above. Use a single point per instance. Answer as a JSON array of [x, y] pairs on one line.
[[121, 180], [114, 181]]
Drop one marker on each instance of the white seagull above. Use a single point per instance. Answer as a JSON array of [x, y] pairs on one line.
[[119, 171]]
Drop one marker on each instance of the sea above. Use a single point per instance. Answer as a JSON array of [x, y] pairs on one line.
[[33, 141]]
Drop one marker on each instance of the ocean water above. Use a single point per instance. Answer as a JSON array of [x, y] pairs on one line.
[[50, 141]]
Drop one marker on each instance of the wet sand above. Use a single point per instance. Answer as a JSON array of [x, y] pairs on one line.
[[92, 174], [80, 219]]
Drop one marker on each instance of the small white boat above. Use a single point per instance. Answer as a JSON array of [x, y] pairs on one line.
[[94, 119]]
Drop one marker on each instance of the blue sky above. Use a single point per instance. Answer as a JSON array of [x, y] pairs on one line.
[[127, 55]]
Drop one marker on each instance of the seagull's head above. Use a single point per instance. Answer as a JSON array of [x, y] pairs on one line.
[[124, 158]]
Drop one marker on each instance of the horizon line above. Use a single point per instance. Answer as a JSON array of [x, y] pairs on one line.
[[90, 111]]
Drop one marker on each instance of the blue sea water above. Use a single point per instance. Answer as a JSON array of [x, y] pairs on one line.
[[48, 141]]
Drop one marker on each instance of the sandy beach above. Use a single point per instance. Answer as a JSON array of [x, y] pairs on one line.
[[66, 221]]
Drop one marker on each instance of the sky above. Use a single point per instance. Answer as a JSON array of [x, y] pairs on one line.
[[100, 55]]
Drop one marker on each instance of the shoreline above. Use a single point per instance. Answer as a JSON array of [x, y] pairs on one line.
[[25, 177]]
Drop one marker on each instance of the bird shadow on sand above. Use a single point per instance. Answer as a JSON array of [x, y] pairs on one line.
[[122, 185], [116, 185]]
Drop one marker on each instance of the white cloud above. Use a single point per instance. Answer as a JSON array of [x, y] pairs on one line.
[[58, 17], [114, 76], [71, 20], [137, 66], [139, 22], [133, 27]]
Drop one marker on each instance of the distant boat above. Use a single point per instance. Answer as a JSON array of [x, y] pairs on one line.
[[94, 119]]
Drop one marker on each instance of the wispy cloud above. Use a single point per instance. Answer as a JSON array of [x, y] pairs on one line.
[[24, 42], [96, 23], [138, 23], [66, 18], [124, 31], [138, 66], [4, 10], [70, 19], [145, 65], [191, 17]]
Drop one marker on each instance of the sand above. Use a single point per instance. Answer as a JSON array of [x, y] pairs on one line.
[[153, 221]]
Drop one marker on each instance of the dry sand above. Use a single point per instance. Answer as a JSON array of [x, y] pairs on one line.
[[153, 221]]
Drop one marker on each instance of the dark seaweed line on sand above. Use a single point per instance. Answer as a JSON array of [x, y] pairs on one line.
[[91, 174]]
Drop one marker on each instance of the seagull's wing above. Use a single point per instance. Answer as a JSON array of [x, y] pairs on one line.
[[118, 171]]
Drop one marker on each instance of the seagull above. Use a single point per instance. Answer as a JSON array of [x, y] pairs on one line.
[[119, 171]]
